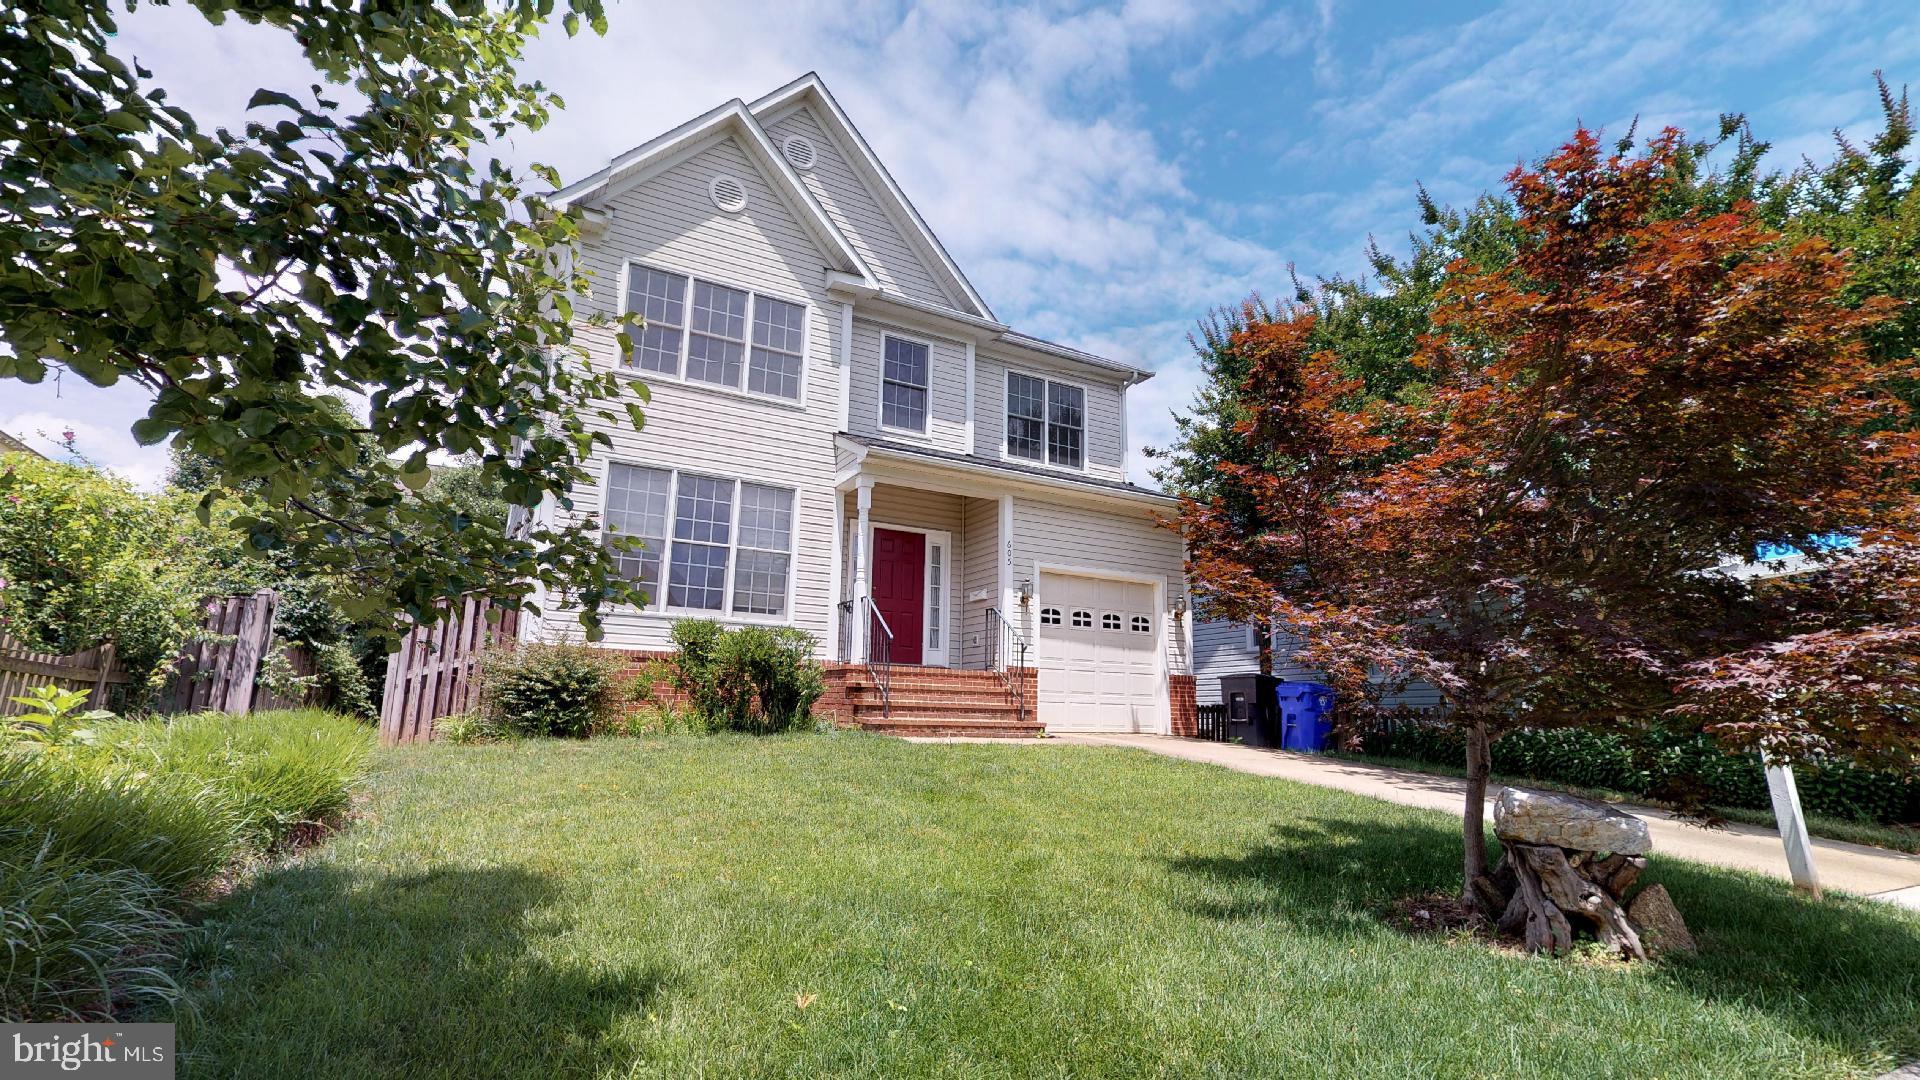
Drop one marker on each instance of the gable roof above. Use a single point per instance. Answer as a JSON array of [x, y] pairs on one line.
[[809, 89], [662, 152]]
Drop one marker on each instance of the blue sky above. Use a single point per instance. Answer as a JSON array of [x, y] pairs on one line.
[[1106, 173]]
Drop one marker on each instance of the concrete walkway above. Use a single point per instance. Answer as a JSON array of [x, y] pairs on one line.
[[1855, 868]]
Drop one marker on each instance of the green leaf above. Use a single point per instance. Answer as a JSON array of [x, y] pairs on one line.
[[147, 431]]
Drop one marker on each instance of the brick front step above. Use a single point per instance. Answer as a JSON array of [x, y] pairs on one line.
[[929, 727], [941, 710]]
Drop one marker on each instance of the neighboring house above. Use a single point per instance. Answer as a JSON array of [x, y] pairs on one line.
[[844, 439], [9, 444], [1221, 648]]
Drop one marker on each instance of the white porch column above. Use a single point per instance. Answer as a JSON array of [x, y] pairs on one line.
[[862, 568]]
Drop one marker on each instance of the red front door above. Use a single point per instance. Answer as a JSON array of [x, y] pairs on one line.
[[899, 588]]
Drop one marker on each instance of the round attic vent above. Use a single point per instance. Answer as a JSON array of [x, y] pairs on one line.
[[728, 193], [800, 151]]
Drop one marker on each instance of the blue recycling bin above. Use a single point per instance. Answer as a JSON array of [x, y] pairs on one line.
[[1306, 715]]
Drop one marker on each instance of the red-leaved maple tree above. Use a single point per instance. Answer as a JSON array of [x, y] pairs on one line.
[[1642, 396]]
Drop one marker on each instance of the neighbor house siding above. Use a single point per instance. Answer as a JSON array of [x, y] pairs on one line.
[[1106, 456], [946, 390], [853, 209], [669, 222], [1225, 648], [1220, 648], [1118, 540]]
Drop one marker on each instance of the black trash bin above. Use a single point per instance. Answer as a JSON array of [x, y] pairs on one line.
[[1252, 718]]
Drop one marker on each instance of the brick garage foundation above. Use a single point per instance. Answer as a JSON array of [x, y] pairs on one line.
[[1186, 705]]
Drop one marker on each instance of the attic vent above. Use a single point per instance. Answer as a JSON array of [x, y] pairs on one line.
[[800, 152], [727, 193]]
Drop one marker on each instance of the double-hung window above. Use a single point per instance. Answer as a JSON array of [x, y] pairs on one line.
[[705, 332], [903, 385], [724, 545], [1046, 420]]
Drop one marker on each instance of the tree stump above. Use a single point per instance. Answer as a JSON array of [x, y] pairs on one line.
[[1547, 893]]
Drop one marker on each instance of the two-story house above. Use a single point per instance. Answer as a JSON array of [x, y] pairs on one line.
[[843, 438]]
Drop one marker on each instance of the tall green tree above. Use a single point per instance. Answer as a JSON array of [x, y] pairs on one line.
[[352, 237]]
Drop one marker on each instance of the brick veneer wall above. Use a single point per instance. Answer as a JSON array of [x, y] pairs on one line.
[[833, 704], [1186, 705]]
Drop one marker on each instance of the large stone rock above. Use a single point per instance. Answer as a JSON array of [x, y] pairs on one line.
[[1661, 927], [1564, 821]]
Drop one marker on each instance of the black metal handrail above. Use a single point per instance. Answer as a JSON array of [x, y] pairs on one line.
[[880, 655], [879, 647], [1007, 655]]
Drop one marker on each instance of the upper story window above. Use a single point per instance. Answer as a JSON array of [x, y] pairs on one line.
[[698, 330], [725, 545], [1046, 420], [904, 379]]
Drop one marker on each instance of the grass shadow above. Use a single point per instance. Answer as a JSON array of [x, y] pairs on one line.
[[325, 971], [1844, 970]]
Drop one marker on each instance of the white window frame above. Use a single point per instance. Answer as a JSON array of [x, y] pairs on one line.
[[658, 605], [880, 386], [1046, 420], [679, 378]]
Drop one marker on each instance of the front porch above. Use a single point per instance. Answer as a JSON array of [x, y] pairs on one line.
[[920, 628]]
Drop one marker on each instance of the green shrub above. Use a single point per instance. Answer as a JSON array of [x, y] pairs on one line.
[[176, 830], [544, 689], [281, 773], [755, 679], [81, 936], [1663, 765]]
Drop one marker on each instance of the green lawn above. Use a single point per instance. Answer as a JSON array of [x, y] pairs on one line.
[[653, 907]]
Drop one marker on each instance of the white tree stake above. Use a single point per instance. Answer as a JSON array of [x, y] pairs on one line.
[[1793, 828]]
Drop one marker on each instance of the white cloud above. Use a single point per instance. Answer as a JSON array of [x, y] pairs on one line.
[[1017, 131]]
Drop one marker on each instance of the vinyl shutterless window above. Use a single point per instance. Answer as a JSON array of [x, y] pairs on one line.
[[903, 384], [706, 332], [724, 545], [1046, 420]]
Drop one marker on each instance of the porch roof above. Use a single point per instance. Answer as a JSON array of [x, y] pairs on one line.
[[1009, 470]]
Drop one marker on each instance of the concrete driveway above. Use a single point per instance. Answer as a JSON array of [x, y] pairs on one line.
[[1865, 871]]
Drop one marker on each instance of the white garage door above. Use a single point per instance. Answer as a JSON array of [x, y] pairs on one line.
[[1098, 655]]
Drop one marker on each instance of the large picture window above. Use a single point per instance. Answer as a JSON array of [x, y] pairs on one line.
[[705, 332], [1046, 421], [726, 546], [903, 385]]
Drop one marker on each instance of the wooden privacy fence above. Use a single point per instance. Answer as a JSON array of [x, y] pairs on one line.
[[217, 674], [93, 670], [435, 673]]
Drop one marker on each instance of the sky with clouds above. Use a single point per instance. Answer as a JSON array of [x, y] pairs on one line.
[[1105, 174]]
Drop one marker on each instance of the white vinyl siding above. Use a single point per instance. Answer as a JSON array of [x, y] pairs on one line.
[[946, 426], [1101, 423], [852, 207], [667, 222], [1118, 541], [979, 573]]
